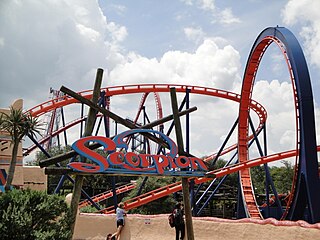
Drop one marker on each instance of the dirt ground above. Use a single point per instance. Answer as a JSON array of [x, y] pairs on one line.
[[156, 227]]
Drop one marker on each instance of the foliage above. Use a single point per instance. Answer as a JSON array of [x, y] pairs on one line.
[[27, 214], [19, 124], [162, 205], [258, 179], [88, 209], [282, 178], [53, 151], [93, 184], [53, 180], [232, 179]]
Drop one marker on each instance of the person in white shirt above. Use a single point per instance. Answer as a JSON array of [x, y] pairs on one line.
[[120, 214]]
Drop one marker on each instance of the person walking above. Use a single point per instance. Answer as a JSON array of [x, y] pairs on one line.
[[120, 214], [179, 224]]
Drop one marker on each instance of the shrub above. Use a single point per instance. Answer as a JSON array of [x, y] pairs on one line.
[[88, 209], [27, 214]]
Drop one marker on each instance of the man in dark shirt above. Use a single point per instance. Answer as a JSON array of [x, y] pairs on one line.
[[179, 221]]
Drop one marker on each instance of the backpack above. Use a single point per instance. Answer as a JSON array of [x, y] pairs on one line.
[[171, 220], [178, 217]]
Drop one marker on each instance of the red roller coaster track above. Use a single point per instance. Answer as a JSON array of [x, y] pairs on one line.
[[282, 38], [131, 89], [53, 104]]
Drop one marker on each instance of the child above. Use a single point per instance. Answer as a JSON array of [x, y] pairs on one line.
[[121, 213]]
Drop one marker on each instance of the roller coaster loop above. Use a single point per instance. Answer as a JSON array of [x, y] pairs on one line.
[[305, 196]]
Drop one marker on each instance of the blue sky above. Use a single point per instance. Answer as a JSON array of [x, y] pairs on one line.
[[47, 44], [158, 26]]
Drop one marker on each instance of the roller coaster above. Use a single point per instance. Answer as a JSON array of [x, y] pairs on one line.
[[304, 198]]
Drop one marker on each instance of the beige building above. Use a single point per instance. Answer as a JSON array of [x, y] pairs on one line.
[[25, 176]]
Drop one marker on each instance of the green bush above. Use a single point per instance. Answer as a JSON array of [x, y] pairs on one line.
[[27, 214], [89, 209]]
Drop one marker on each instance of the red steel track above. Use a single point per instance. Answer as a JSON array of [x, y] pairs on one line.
[[155, 88], [246, 95], [282, 39], [147, 88], [53, 104], [105, 195], [167, 190]]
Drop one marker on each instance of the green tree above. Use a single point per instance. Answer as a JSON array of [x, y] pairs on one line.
[[232, 179], [53, 151], [53, 180], [162, 205], [18, 125], [258, 177], [283, 177], [27, 214]]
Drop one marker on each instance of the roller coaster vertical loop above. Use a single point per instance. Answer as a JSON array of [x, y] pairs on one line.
[[304, 194]]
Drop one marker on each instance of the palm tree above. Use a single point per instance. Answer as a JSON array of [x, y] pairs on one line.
[[18, 125]]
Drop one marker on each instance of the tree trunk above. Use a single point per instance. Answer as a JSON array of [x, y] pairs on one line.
[[13, 164]]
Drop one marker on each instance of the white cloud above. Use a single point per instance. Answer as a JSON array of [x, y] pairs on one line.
[[296, 11], [208, 66], [48, 43], [227, 17], [207, 4], [306, 14], [277, 98], [88, 32], [194, 34], [119, 33], [223, 16], [73, 38], [278, 61]]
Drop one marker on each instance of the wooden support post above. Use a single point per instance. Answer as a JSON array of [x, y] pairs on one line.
[[92, 115], [185, 183], [64, 156], [112, 115]]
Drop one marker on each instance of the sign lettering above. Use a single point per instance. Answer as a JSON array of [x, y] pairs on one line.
[[123, 162]]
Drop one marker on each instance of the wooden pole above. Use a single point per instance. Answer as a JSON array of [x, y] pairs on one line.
[[185, 184], [64, 156], [92, 115]]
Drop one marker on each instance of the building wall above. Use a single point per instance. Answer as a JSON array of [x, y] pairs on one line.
[[34, 178]]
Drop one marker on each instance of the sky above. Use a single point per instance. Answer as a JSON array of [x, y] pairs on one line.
[[46, 44]]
